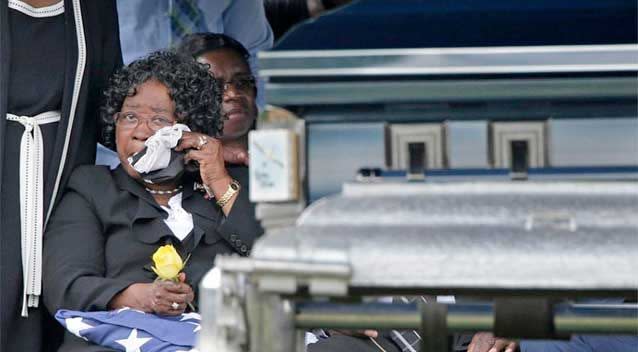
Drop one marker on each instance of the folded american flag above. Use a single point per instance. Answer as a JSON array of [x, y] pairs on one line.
[[132, 330]]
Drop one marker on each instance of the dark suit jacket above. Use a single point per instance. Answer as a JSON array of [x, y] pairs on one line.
[[106, 228]]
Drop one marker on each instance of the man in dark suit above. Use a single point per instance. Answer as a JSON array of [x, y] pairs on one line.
[[228, 63]]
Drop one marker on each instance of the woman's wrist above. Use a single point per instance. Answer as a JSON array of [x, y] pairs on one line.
[[218, 186], [128, 298], [225, 191]]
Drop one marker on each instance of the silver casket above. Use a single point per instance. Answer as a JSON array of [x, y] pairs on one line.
[[520, 246], [495, 156]]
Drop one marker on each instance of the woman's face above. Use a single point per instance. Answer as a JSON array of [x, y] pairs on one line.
[[150, 107]]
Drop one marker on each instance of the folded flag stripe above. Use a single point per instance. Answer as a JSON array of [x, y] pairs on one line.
[[131, 330]]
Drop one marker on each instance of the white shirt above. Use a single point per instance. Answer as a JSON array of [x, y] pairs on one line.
[[179, 220]]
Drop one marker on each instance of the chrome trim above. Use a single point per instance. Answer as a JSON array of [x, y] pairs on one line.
[[450, 61], [460, 50], [305, 93], [603, 319], [602, 141]]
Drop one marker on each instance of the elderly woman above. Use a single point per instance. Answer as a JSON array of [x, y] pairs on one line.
[[99, 243]]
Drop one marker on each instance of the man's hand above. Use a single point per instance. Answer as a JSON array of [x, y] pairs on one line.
[[486, 342], [235, 155], [356, 333]]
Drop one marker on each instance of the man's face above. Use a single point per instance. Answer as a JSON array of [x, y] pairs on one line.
[[238, 103]]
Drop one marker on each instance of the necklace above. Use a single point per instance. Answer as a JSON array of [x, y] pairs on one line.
[[170, 191]]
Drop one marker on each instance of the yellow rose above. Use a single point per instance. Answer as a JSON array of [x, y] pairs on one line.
[[167, 263]]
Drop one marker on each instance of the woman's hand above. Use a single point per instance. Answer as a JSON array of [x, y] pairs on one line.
[[209, 153], [157, 297]]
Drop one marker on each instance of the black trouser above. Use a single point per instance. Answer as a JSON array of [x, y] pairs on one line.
[[341, 343]]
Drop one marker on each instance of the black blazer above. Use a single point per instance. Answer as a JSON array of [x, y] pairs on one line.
[[104, 231]]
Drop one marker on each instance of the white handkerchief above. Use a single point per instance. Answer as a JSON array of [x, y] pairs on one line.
[[158, 148]]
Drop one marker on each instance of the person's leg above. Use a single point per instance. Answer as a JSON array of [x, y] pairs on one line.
[[342, 343]]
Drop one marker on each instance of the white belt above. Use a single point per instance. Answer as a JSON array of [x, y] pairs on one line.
[[31, 203]]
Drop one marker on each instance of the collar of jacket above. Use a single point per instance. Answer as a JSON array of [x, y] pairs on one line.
[[147, 217]]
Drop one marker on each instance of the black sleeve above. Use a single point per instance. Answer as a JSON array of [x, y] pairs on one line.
[[111, 49], [105, 56], [110, 60], [112, 40], [241, 222], [73, 256]]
